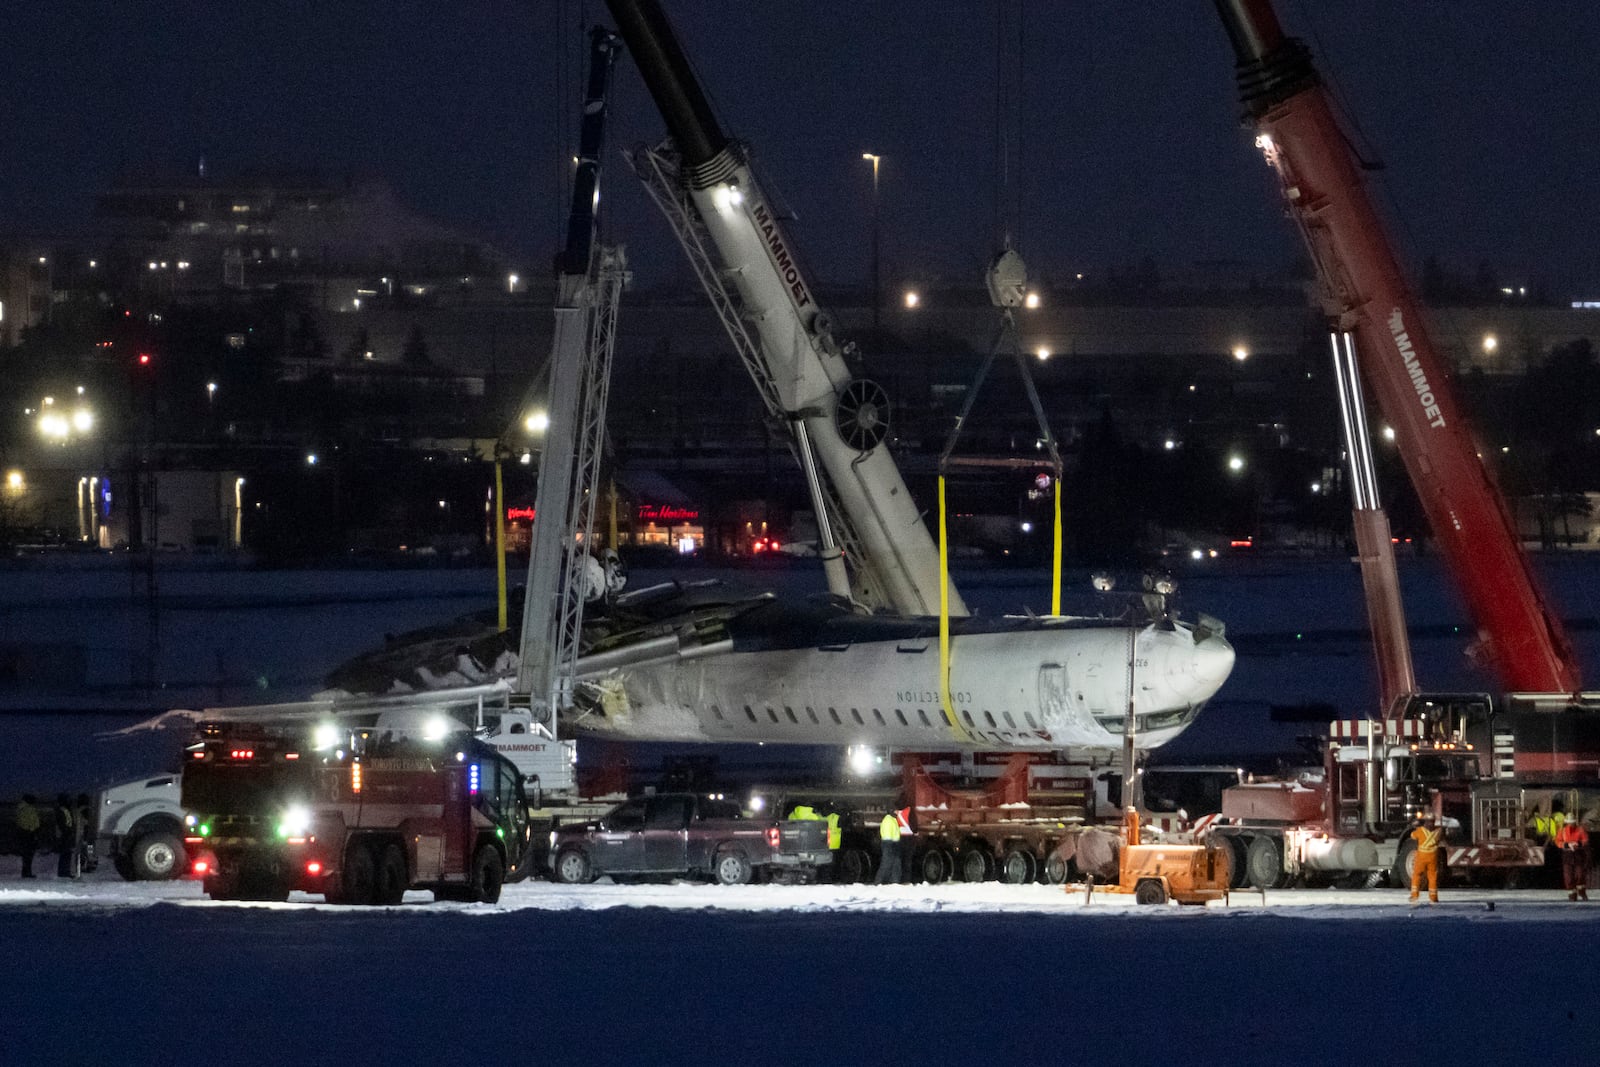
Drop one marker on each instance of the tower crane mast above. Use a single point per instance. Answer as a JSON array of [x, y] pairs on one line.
[[590, 277]]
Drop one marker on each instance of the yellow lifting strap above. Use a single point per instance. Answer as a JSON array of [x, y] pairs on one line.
[[1055, 575], [944, 625]]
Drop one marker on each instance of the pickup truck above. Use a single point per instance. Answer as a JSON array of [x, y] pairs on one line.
[[689, 834]]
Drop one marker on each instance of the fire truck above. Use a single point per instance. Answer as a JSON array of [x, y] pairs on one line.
[[356, 816]]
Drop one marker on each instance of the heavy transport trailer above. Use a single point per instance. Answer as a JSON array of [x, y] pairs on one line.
[[357, 818], [1023, 818]]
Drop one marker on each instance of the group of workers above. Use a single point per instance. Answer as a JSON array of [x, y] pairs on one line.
[[893, 829], [1567, 836], [72, 823]]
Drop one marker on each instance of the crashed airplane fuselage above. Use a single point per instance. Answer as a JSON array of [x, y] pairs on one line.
[[749, 669]]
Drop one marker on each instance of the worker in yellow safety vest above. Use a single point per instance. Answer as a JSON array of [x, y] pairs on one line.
[[1428, 836], [835, 835], [889, 850]]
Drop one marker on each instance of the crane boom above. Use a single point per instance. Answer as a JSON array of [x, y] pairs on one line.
[[837, 420], [1370, 297]]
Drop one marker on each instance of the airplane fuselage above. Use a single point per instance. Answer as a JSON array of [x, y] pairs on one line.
[[1025, 684]]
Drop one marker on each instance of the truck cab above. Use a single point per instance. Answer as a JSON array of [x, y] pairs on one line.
[[140, 827]]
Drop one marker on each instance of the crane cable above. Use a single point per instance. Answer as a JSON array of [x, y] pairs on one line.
[[1007, 222]]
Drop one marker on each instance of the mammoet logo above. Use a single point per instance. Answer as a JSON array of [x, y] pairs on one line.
[[1402, 341], [779, 253]]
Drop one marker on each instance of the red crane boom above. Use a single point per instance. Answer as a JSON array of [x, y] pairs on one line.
[[1369, 296]]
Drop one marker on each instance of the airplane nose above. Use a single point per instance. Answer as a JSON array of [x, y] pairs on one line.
[[1213, 662]]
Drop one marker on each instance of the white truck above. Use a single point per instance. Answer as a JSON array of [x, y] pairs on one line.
[[140, 828]]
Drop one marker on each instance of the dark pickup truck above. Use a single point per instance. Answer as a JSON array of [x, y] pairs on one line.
[[688, 834]]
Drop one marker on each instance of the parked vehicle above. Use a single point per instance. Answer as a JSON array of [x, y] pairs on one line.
[[140, 828], [689, 834], [357, 819]]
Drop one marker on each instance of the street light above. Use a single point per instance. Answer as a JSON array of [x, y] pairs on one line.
[[538, 422], [876, 301]]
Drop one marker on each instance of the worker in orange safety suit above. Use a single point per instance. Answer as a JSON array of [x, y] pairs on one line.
[[1429, 836], [1573, 841]]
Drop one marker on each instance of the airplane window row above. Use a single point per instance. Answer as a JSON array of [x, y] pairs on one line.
[[922, 716]]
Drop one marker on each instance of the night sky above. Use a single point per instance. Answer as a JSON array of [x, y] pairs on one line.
[[1484, 112]]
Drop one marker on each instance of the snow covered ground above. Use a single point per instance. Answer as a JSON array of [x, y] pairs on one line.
[[107, 972]]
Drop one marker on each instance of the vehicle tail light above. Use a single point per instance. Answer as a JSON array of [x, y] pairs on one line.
[[355, 777], [201, 867], [772, 836], [313, 868]]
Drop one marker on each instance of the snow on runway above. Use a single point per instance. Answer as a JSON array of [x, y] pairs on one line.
[[687, 973], [105, 891]]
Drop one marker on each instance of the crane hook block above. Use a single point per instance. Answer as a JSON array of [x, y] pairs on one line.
[[1008, 280]]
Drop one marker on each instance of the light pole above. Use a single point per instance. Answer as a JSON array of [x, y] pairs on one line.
[[877, 302]]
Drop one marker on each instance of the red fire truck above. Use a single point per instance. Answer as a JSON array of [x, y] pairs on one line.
[[355, 817]]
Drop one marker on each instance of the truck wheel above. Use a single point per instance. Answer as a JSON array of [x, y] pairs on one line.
[[976, 864], [488, 875], [731, 868], [264, 885], [937, 865], [572, 867], [157, 856], [1056, 869], [222, 887], [1017, 867], [358, 880], [391, 876], [853, 866], [1149, 891], [1264, 862], [1239, 857]]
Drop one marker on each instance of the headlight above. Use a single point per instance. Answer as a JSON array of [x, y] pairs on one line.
[[296, 822], [326, 736]]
